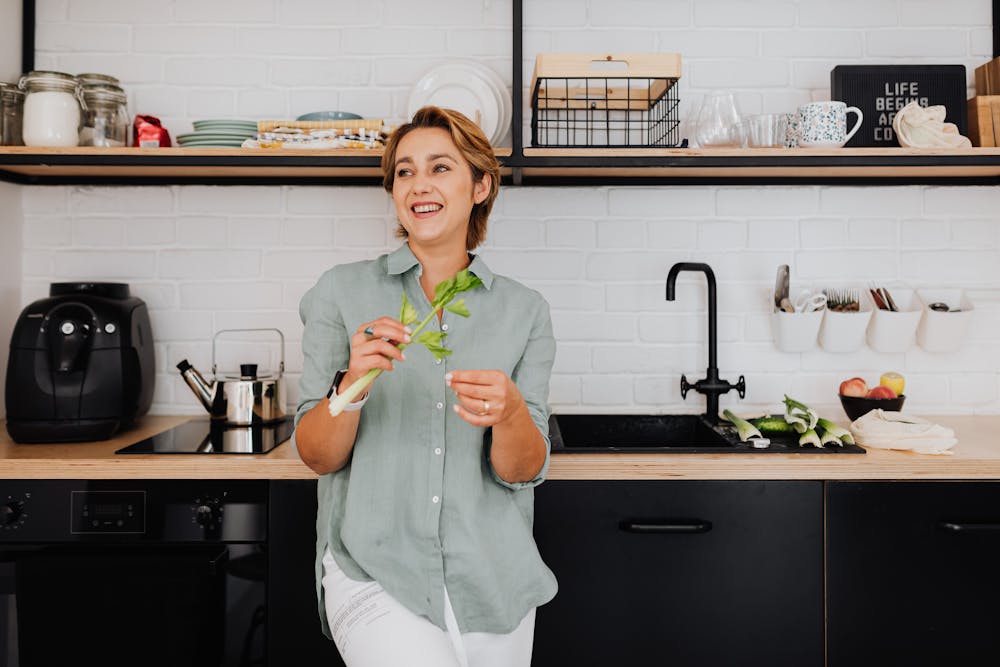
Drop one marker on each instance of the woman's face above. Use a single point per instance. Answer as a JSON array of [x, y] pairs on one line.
[[433, 189]]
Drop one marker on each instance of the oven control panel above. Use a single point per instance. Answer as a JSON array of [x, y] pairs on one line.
[[107, 512], [133, 510]]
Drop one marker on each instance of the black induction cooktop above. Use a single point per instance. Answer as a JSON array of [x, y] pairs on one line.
[[203, 436]]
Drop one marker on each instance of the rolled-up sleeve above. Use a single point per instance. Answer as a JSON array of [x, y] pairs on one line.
[[325, 343], [531, 375]]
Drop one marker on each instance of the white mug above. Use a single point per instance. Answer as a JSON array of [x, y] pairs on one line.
[[824, 124]]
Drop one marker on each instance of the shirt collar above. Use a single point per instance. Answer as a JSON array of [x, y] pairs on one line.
[[402, 260]]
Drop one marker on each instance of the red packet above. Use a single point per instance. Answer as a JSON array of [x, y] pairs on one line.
[[149, 133]]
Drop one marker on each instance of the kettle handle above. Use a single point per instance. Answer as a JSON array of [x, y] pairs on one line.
[[281, 368]]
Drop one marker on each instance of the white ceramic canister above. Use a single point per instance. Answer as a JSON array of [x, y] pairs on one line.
[[52, 109]]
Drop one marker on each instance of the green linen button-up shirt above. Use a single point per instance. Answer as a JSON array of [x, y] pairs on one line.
[[419, 507]]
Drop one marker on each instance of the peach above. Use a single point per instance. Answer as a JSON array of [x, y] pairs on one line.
[[854, 387]]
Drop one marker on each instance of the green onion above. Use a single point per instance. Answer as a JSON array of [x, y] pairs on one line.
[[836, 431], [743, 427], [444, 294]]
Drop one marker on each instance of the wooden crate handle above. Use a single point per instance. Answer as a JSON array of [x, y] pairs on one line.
[[582, 66]]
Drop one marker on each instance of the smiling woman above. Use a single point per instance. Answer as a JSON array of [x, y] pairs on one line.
[[424, 552], [451, 145]]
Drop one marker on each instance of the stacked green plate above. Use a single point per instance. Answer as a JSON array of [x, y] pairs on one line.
[[219, 132]]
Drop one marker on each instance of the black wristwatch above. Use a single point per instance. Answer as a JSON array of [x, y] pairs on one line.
[[350, 407], [336, 383]]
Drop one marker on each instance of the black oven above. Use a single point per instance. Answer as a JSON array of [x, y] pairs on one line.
[[145, 572]]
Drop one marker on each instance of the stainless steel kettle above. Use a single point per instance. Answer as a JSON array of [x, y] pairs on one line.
[[239, 399]]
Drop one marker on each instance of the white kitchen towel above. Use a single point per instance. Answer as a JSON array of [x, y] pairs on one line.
[[882, 429]]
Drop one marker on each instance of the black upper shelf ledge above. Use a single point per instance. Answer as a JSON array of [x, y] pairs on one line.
[[536, 166]]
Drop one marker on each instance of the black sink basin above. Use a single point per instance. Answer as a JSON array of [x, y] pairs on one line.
[[679, 434], [640, 433]]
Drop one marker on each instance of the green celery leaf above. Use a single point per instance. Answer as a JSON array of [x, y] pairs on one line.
[[466, 281], [429, 338], [407, 313], [438, 351], [458, 307], [444, 290]]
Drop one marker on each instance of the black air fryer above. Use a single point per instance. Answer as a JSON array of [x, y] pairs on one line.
[[81, 364]]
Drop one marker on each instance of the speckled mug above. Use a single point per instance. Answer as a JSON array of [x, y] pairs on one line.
[[791, 130], [824, 124]]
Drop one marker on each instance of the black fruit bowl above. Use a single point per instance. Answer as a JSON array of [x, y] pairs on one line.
[[857, 406]]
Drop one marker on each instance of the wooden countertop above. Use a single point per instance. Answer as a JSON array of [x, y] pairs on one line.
[[977, 456]]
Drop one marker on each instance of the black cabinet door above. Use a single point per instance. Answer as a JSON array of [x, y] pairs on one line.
[[294, 636], [913, 573], [681, 573]]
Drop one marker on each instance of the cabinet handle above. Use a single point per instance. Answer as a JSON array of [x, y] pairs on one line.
[[957, 527], [666, 526]]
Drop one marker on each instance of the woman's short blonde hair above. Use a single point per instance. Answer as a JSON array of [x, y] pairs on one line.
[[471, 143]]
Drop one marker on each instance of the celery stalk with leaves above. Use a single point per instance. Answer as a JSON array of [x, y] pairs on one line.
[[444, 297]]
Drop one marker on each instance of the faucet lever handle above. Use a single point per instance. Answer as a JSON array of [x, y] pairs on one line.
[[741, 387], [685, 386]]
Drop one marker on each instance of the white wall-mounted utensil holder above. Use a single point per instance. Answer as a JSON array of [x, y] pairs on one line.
[[944, 331], [895, 331], [844, 331], [796, 332]]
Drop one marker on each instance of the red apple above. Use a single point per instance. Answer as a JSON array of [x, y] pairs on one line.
[[854, 387], [881, 391]]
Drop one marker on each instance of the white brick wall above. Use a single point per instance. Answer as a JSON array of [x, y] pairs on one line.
[[206, 258]]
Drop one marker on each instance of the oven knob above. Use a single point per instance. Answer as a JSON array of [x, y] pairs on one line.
[[207, 515], [10, 512]]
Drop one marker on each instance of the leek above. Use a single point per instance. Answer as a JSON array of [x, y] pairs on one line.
[[743, 427], [797, 422], [836, 431], [828, 438], [444, 294], [810, 438], [798, 414]]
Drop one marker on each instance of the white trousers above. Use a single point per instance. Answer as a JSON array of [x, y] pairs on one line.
[[372, 629]]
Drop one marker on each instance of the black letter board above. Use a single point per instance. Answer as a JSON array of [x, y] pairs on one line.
[[882, 90]]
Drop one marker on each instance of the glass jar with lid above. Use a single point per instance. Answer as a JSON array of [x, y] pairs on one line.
[[11, 112], [53, 108], [91, 79], [105, 120]]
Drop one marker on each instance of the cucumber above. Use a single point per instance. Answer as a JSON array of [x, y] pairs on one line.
[[772, 425]]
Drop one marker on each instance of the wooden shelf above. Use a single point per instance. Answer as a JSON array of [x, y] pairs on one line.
[[789, 165], [29, 165], [538, 166]]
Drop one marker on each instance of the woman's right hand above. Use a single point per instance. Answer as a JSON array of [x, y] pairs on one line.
[[377, 350]]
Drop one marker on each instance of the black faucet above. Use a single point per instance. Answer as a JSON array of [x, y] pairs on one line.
[[711, 385]]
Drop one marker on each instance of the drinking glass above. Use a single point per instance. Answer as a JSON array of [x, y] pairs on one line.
[[766, 130], [719, 122]]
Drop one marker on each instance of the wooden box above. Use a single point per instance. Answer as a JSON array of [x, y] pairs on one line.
[[984, 120]]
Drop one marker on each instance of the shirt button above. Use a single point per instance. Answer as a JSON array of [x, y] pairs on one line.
[[444, 327], [440, 405], [437, 450], [435, 499]]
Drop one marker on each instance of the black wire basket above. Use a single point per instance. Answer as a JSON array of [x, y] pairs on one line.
[[605, 101]]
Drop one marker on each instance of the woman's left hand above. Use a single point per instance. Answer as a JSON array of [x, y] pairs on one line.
[[485, 398]]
